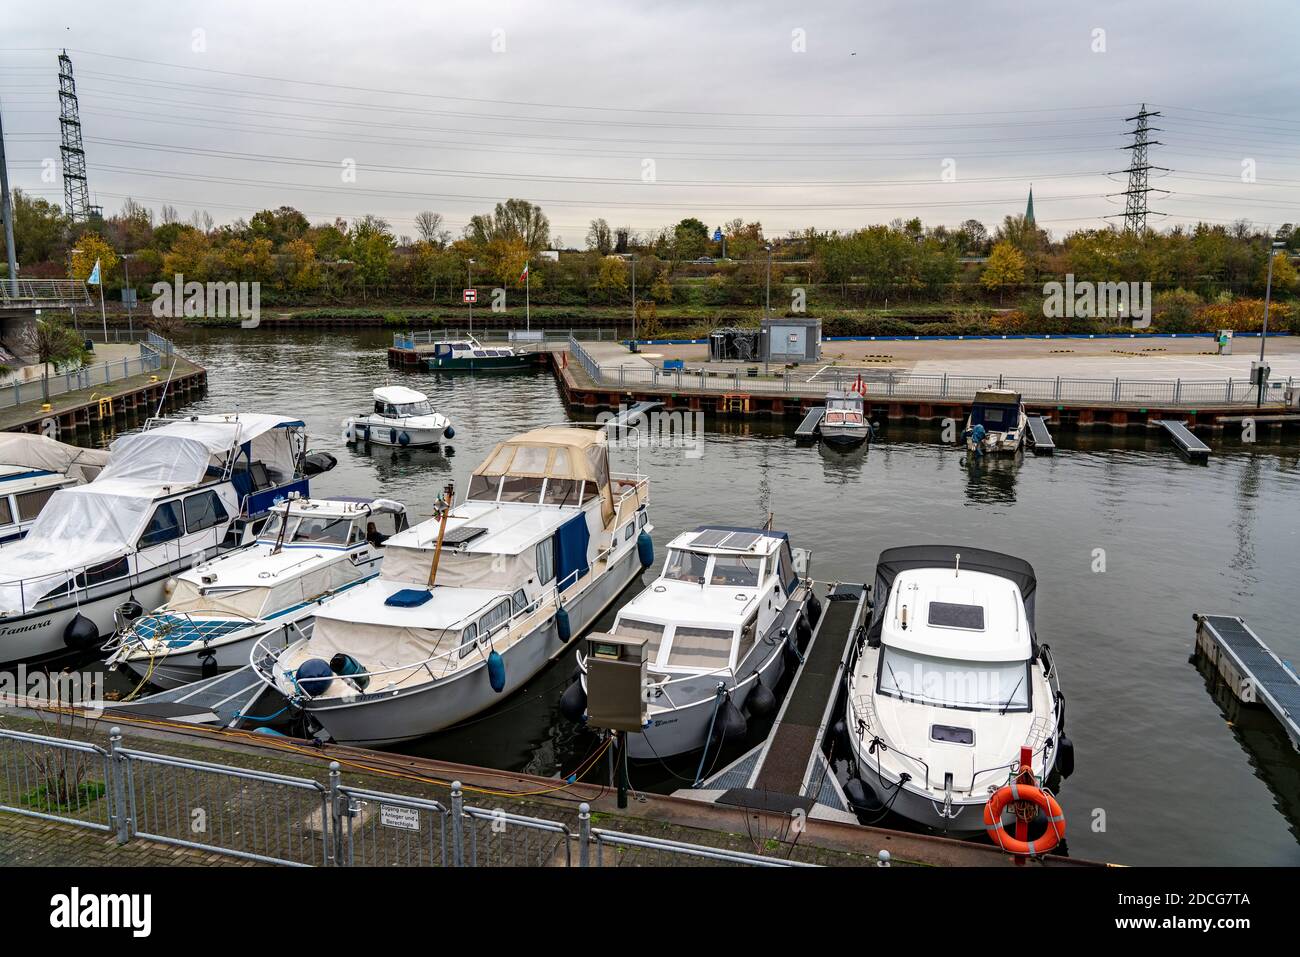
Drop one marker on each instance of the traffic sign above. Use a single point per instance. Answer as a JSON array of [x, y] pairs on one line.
[[469, 295]]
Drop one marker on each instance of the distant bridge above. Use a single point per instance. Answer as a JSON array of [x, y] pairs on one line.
[[28, 294]]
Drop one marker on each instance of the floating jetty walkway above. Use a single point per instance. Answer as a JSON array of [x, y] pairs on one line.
[[1250, 669], [1115, 388]]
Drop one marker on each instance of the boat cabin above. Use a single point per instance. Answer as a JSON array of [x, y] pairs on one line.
[[399, 402], [956, 638], [998, 410], [720, 588], [469, 349], [844, 409]]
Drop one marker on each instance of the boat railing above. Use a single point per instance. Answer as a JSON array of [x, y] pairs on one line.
[[169, 625]]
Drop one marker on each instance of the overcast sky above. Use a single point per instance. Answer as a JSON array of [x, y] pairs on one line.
[[832, 115]]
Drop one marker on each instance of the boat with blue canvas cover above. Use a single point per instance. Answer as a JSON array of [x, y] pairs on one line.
[[473, 603], [997, 423], [174, 494], [308, 551]]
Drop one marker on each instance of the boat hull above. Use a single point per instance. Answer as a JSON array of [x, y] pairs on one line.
[[484, 364], [180, 668], [391, 717], [844, 438]]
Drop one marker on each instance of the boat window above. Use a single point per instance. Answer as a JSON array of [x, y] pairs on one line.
[[204, 511], [495, 619], [6, 513], [323, 529], [31, 503], [946, 614], [467, 639], [164, 525], [785, 568], [948, 683], [686, 566], [414, 408], [747, 636], [652, 633], [379, 408], [524, 488], [641, 519], [629, 531], [104, 572], [479, 354], [992, 416], [483, 488], [740, 571], [530, 460], [562, 491], [834, 418], [708, 648], [520, 601], [545, 559]]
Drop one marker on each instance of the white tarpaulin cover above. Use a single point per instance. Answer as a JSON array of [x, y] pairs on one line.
[[180, 452], [46, 454], [458, 569], [261, 600], [164, 459], [81, 526]]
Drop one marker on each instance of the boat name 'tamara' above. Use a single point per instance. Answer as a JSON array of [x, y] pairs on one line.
[[22, 628], [74, 910]]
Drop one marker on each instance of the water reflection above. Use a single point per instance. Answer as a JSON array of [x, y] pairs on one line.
[[991, 478]]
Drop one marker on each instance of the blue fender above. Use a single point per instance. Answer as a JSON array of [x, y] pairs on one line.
[[497, 672], [449, 432], [645, 549], [403, 439], [562, 626], [392, 435]]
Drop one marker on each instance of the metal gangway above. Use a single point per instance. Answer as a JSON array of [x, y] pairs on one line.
[[632, 415], [810, 427], [1253, 672], [1039, 437], [1187, 443], [790, 769], [223, 700]]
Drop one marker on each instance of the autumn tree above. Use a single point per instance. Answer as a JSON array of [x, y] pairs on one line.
[[1005, 268], [91, 248]]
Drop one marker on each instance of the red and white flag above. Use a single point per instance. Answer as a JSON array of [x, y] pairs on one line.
[[524, 275]]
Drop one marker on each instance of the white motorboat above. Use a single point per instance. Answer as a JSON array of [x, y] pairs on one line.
[[947, 685], [471, 605], [402, 417], [34, 467], [997, 423], [719, 623], [845, 422], [172, 495], [308, 551]]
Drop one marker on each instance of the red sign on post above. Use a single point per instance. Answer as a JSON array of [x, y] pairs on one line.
[[469, 295]]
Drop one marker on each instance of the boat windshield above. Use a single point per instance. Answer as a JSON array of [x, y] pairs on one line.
[[686, 566], [949, 683], [308, 529], [414, 408], [740, 571]]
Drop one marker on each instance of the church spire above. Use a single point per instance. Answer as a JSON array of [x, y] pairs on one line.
[[1029, 209]]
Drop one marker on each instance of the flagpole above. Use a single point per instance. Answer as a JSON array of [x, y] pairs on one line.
[[528, 281], [102, 317]]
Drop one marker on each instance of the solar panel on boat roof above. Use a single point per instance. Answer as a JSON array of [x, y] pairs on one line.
[[741, 540], [723, 538], [459, 536], [947, 614], [712, 537]]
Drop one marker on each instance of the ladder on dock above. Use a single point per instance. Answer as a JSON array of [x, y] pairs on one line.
[[1250, 669], [1187, 443], [790, 769], [1039, 436], [811, 424], [220, 701]]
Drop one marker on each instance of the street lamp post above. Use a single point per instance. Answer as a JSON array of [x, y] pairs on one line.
[[1263, 338], [130, 305], [634, 302], [471, 301], [767, 312]]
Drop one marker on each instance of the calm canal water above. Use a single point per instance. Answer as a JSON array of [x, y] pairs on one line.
[[1163, 776]]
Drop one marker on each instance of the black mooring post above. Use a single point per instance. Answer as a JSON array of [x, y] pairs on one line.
[[622, 770]]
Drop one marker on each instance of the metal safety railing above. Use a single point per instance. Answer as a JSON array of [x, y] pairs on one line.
[[274, 818], [896, 384], [43, 293], [424, 337]]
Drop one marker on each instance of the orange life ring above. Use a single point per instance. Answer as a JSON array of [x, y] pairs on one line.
[[1024, 792]]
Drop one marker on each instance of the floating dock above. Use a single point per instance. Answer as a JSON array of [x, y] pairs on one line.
[[629, 415], [1187, 443], [1039, 437], [790, 769], [1250, 669], [811, 424]]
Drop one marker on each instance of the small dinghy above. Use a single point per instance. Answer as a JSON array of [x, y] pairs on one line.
[[997, 423], [947, 686], [718, 624], [308, 551], [401, 417]]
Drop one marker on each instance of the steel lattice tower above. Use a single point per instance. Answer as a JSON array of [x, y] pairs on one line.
[[76, 194], [1135, 203]]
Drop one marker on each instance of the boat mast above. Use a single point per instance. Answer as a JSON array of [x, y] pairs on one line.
[[448, 494]]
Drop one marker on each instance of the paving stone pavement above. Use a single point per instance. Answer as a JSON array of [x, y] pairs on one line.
[[33, 842]]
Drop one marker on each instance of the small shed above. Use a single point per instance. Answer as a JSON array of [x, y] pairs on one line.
[[791, 340]]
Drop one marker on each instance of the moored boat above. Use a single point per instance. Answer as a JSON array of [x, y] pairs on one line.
[[174, 494], [467, 354], [32, 469], [845, 423], [947, 686], [308, 551], [720, 624], [997, 423], [470, 605]]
